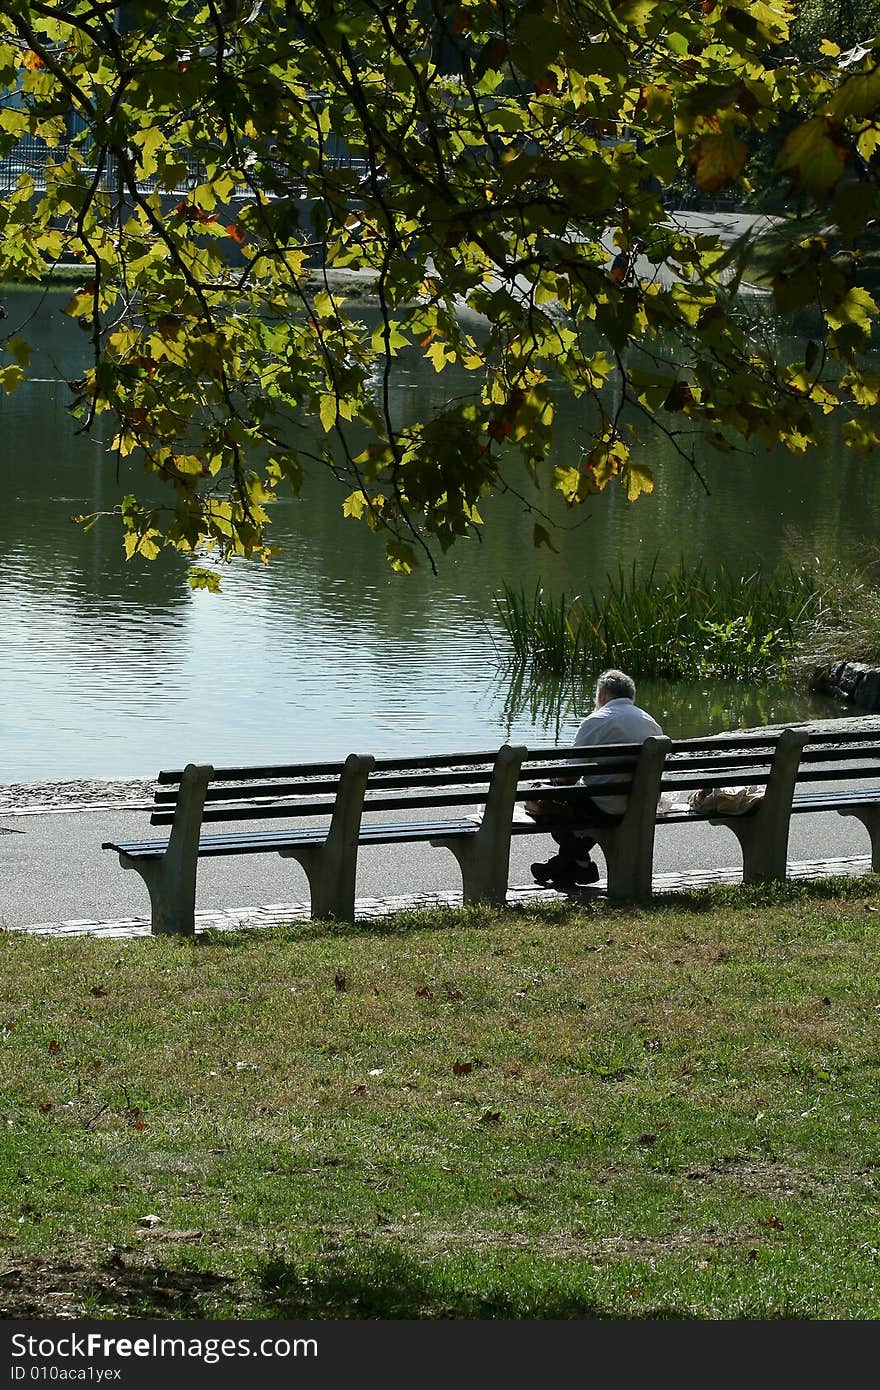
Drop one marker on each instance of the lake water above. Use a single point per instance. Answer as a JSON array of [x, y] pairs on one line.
[[112, 668]]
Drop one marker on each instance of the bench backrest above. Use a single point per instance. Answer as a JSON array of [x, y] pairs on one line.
[[263, 791], [309, 789], [851, 755]]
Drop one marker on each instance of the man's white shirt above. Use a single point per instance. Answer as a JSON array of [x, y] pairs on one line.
[[617, 721]]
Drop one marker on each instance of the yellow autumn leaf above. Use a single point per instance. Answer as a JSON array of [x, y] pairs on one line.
[[438, 357], [10, 377], [567, 481], [147, 546], [124, 443], [637, 478], [606, 460], [354, 505], [857, 307], [869, 142], [718, 160]]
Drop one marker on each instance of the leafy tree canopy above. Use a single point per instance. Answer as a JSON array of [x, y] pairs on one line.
[[504, 157]]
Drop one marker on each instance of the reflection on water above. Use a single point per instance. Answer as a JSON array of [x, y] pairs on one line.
[[111, 668], [682, 709]]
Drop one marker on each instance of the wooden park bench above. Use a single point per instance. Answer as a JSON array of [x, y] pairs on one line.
[[322, 813]]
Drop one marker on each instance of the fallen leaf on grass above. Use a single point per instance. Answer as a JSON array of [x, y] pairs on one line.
[[98, 990], [424, 993]]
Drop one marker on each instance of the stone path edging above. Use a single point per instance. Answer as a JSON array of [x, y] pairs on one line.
[[372, 909]]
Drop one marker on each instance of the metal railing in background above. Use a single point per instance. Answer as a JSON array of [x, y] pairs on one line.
[[32, 157]]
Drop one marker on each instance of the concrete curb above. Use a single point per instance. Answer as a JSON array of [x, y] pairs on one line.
[[374, 909]]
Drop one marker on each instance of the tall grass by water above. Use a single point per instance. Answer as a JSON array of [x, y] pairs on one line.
[[689, 623]]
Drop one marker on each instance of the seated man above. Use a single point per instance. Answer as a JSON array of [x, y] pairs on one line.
[[616, 719]]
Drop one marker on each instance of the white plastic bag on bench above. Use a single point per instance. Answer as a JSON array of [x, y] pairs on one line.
[[725, 801]]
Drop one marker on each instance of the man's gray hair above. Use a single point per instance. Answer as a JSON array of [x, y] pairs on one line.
[[617, 685]]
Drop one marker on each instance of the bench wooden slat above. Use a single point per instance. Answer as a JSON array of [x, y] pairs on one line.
[[270, 810], [718, 771], [260, 772], [246, 791], [257, 841], [834, 799], [836, 774]]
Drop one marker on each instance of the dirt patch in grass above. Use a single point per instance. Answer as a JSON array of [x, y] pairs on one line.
[[119, 1285], [562, 1246]]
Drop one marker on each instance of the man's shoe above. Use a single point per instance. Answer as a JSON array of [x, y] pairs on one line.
[[544, 872], [564, 874]]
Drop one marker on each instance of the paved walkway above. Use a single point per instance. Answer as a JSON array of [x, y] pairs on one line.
[[371, 909]]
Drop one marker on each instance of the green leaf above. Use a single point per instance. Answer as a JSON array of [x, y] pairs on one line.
[[200, 578], [813, 156], [541, 536], [20, 350], [149, 142], [859, 96], [401, 556]]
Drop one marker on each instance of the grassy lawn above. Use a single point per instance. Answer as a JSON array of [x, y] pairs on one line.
[[572, 1111]]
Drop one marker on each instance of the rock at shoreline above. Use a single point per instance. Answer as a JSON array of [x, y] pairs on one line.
[[852, 681]]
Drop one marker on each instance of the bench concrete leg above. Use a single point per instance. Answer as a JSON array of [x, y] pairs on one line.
[[171, 880], [763, 834], [629, 847], [870, 818], [331, 866], [484, 857]]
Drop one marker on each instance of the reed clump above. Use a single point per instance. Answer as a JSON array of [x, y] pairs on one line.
[[689, 623]]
